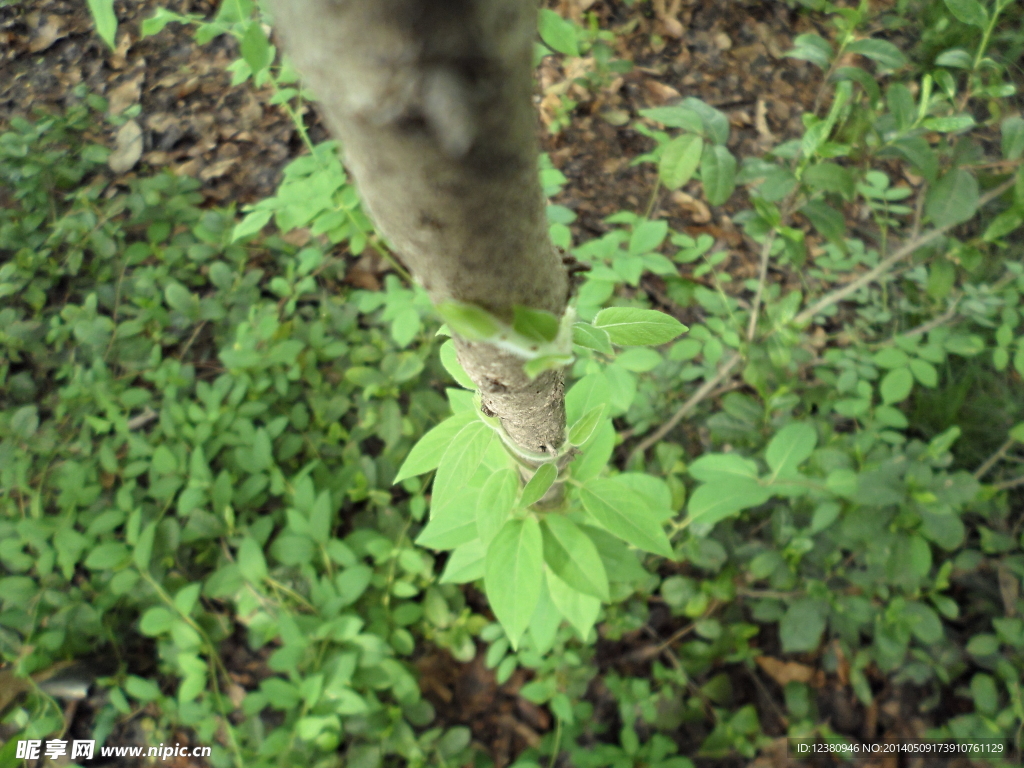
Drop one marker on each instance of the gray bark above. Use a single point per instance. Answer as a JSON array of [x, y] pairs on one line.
[[431, 100]]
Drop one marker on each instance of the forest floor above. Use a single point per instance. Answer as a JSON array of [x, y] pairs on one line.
[[729, 53]]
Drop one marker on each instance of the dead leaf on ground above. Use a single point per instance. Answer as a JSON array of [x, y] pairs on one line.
[[698, 210], [659, 93], [128, 148], [47, 34], [118, 59], [124, 95], [218, 169], [783, 672]]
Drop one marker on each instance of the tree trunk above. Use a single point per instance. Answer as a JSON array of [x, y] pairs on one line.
[[431, 100]]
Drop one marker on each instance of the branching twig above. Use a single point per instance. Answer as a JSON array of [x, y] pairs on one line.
[[686, 407], [907, 249], [992, 460], [1008, 484]]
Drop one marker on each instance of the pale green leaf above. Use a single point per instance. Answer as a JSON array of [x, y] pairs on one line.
[[571, 554], [538, 484], [429, 449], [618, 509], [495, 504], [630, 326], [513, 571], [790, 447]]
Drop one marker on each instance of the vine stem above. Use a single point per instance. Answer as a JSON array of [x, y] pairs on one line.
[[705, 389], [755, 307], [886, 264]]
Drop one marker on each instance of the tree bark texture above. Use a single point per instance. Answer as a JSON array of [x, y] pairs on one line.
[[431, 100]]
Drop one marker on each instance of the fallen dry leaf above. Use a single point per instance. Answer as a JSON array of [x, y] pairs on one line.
[[128, 148], [783, 672], [124, 95], [47, 34], [697, 209], [659, 93]]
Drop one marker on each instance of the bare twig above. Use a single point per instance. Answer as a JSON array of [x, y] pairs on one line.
[[695, 399], [144, 418], [755, 307], [1008, 484], [885, 265], [994, 459]]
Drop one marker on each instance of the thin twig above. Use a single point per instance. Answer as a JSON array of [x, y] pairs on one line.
[[907, 249], [1008, 484], [994, 459], [704, 390], [755, 307], [934, 323]]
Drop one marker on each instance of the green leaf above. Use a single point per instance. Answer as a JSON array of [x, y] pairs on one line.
[[156, 621], [969, 12], [723, 468], [1003, 224], [953, 199], [105, 20], [461, 460], [802, 625], [452, 520], [255, 48], [896, 385], [465, 563], [951, 124], [538, 485], [984, 692], [144, 547], [647, 236], [826, 219], [450, 361], [581, 431], [924, 372], [675, 117], [638, 327], [571, 554], [587, 393], [496, 501], [590, 337], [535, 324], [715, 122], [581, 610], [558, 33], [250, 225], [920, 154], [108, 556], [679, 160], [712, 502], [863, 78], [882, 51], [957, 58], [468, 320], [812, 48], [620, 511], [538, 365], [792, 446], [1013, 137], [718, 174], [830, 177], [320, 518], [429, 449], [513, 571], [891, 357], [251, 562], [901, 103]]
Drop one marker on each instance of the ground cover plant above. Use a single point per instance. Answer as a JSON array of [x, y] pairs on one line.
[[259, 503]]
